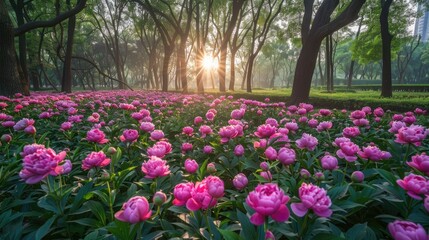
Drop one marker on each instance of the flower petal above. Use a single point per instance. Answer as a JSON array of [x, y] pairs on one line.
[[299, 209]]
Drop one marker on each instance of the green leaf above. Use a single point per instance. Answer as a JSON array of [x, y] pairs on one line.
[[45, 228], [338, 191], [388, 176], [248, 230], [98, 210], [48, 203], [327, 236], [229, 235], [360, 232]]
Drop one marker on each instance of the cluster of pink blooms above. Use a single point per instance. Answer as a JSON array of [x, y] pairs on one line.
[[129, 135], [97, 136], [201, 195], [136, 209], [26, 125], [39, 162], [95, 159]]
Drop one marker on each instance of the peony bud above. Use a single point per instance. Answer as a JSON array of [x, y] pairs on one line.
[[159, 198], [211, 168], [357, 176]]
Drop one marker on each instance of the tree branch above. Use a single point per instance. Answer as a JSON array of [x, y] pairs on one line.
[[52, 22]]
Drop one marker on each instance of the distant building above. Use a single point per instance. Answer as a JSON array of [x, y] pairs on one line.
[[422, 24]]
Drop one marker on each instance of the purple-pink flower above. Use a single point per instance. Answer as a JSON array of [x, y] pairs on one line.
[[329, 162], [200, 197], [350, 132], [182, 192], [191, 166], [239, 150], [129, 135], [323, 126], [228, 132], [147, 126], [240, 181], [205, 130], [136, 209], [215, 186], [41, 162], [268, 200], [270, 153], [373, 153], [265, 131], [405, 230], [415, 185], [96, 135], [413, 134], [155, 167], [314, 198], [95, 159], [307, 141], [348, 151], [286, 156], [420, 162]]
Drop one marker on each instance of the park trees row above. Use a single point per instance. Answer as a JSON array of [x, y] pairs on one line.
[[169, 44]]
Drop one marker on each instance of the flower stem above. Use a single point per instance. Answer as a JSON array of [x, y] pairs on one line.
[[110, 201]]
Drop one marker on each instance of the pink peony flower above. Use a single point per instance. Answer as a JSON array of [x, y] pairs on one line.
[[238, 113], [396, 125], [404, 230], [265, 131], [266, 175], [198, 120], [96, 135], [351, 132], [270, 153], [228, 132], [147, 127], [286, 156], [160, 149], [268, 200], [30, 130], [135, 210], [361, 122], [348, 151], [66, 126], [415, 185], [312, 197], [357, 176], [6, 138], [156, 135], [129, 135], [240, 181], [420, 162], [207, 149], [262, 143], [205, 130], [324, 126], [337, 142], [191, 166], [413, 134], [23, 123], [379, 112], [329, 162], [239, 150], [215, 186], [39, 162], [200, 198], [182, 192], [186, 147], [155, 167], [358, 114], [325, 112], [292, 126], [271, 121], [188, 131], [95, 159], [307, 141], [373, 153], [313, 123]]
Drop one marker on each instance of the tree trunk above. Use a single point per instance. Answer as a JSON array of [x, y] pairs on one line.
[[181, 54], [386, 38], [168, 51], [249, 73], [304, 70], [232, 71], [9, 77], [222, 68], [66, 84], [22, 43]]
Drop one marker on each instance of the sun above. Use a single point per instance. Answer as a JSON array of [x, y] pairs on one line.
[[209, 63]]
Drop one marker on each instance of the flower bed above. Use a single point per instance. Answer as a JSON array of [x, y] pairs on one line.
[[152, 165]]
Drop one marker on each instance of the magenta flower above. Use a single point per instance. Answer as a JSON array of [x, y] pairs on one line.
[[270, 153], [420, 162], [240, 181], [348, 151], [415, 185], [307, 141], [350, 132], [191, 166], [23, 123], [129, 135], [159, 149], [198, 120], [265, 131], [379, 112], [357, 176], [325, 112], [312, 197], [207, 149], [186, 147], [155, 167], [96, 135], [135, 210], [205, 130], [358, 114], [337, 142], [95, 159], [413, 134], [238, 113], [215, 186], [329, 162], [239, 150], [395, 126], [182, 192], [292, 126], [41, 162], [156, 135], [373, 153], [323, 126], [200, 198], [286, 156], [147, 126], [404, 230], [188, 131], [228, 132], [66, 126], [268, 200]]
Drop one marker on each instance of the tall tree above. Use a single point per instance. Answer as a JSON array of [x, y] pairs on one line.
[[386, 39], [10, 80], [66, 83], [313, 31]]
